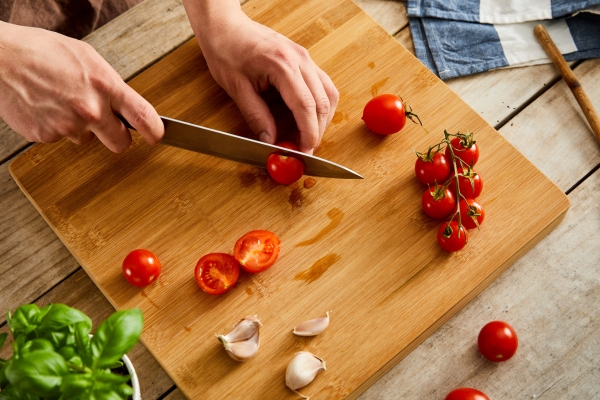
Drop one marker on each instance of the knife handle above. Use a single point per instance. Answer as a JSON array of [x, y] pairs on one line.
[[125, 122]]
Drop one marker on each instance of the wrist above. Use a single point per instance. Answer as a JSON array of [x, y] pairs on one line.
[[213, 19]]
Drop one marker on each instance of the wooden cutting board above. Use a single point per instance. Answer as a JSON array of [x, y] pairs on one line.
[[363, 249]]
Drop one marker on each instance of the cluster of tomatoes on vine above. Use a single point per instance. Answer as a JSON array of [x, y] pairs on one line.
[[446, 168]]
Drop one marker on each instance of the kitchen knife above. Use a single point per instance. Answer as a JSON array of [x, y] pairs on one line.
[[236, 148]]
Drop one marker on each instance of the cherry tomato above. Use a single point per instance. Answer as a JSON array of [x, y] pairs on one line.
[[470, 211], [256, 250], [386, 114], [432, 169], [469, 183], [216, 273], [497, 341], [466, 150], [141, 267], [466, 394], [450, 238], [285, 169], [438, 202]]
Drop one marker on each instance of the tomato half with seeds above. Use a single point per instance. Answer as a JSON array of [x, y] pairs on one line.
[[470, 183], [141, 267], [285, 169], [470, 211], [465, 149], [497, 341], [257, 250], [466, 394], [217, 273], [431, 169], [451, 238]]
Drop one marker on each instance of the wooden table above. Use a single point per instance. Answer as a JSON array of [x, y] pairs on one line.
[[551, 295]]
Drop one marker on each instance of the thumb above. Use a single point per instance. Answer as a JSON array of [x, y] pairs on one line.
[[256, 113]]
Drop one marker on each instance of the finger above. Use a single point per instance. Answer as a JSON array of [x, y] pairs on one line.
[[322, 105], [300, 100], [81, 137], [332, 93], [256, 113], [139, 113], [112, 133]]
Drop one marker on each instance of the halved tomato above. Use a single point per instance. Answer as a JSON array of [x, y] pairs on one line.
[[257, 250], [216, 273]]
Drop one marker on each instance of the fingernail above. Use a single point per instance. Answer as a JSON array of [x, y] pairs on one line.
[[264, 137]]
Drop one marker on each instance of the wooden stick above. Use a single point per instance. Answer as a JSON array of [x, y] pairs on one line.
[[584, 102]]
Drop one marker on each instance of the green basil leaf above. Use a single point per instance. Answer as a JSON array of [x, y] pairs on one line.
[[25, 319], [13, 393], [58, 338], [74, 386], [38, 372], [37, 344], [124, 390], [3, 337], [60, 316], [82, 342], [112, 378], [115, 337]]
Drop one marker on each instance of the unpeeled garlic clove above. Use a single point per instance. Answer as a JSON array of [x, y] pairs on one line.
[[302, 370], [312, 327], [243, 341]]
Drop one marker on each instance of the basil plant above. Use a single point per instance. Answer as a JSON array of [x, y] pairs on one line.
[[54, 356]]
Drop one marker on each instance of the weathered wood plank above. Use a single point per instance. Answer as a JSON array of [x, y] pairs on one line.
[[32, 258], [553, 132], [499, 94], [80, 292], [551, 296], [391, 14]]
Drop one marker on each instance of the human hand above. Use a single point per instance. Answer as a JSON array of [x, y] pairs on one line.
[[53, 86], [245, 58]]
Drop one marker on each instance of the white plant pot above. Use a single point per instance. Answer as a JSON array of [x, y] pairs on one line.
[[135, 384]]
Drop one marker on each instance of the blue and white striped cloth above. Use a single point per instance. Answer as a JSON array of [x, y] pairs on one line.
[[461, 37]]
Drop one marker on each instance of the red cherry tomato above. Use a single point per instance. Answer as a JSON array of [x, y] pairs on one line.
[[216, 273], [285, 169], [497, 341], [469, 183], [451, 238], [257, 250], [466, 150], [385, 114], [470, 211], [466, 394], [141, 267], [430, 170], [438, 202]]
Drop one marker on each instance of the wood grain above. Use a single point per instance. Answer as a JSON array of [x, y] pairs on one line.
[[149, 196]]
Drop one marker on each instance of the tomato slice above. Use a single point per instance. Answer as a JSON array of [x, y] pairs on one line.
[[256, 251], [216, 273]]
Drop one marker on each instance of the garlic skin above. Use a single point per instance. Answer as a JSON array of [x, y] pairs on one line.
[[241, 344], [302, 370], [312, 327]]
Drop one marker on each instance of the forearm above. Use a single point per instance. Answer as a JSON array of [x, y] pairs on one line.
[[211, 17]]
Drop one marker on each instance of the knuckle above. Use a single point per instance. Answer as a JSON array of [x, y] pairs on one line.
[[307, 101], [86, 111], [143, 115], [323, 105], [252, 117], [302, 52]]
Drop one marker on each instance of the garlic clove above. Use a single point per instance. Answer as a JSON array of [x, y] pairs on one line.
[[312, 327], [244, 329], [243, 341], [244, 350], [302, 370]]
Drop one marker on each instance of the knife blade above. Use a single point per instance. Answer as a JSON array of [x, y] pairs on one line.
[[225, 145]]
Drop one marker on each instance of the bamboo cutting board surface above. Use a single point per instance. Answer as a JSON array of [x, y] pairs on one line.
[[363, 249]]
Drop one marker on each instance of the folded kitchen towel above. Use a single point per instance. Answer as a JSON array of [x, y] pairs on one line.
[[461, 37]]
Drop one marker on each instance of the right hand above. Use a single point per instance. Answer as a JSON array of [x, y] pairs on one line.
[[53, 86]]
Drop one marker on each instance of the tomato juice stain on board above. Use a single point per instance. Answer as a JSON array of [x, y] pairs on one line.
[[295, 198], [371, 65], [144, 294], [378, 85], [187, 329], [338, 117], [249, 291], [318, 268], [335, 217]]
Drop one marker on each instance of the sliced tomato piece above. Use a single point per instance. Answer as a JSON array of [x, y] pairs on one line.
[[216, 273], [257, 250]]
